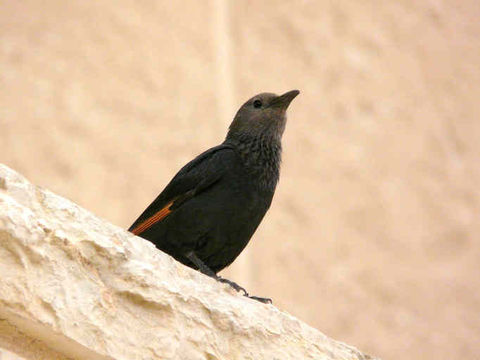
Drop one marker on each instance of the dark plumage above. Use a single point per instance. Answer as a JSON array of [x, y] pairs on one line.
[[209, 211]]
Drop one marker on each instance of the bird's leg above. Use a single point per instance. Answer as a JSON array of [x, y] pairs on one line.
[[201, 266], [209, 272]]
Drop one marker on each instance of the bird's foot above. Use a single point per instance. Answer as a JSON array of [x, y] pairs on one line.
[[232, 284], [238, 288], [262, 300]]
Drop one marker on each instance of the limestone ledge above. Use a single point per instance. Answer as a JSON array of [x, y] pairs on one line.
[[75, 286]]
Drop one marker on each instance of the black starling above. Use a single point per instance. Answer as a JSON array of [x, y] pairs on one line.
[[208, 212]]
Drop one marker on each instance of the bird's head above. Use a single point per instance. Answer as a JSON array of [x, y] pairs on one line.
[[264, 115]]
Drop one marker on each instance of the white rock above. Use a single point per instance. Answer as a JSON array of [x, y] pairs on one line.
[[85, 289]]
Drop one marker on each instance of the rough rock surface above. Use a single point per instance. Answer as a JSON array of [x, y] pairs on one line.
[[86, 289], [377, 209]]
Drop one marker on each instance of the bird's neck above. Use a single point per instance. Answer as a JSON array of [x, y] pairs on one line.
[[261, 158]]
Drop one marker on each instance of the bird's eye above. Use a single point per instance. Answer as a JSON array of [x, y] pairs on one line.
[[257, 104]]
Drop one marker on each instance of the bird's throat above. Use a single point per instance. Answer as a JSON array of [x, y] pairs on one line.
[[261, 158]]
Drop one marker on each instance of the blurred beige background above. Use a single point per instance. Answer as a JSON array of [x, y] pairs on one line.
[[373, 236]]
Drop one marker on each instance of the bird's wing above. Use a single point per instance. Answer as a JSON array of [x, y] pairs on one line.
[[195, 177]]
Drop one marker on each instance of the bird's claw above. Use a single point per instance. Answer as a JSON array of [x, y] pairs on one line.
[[233, 284], [238, 288], [262, 300]]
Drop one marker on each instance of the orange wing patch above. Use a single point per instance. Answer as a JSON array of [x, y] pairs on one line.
[[159, 215]]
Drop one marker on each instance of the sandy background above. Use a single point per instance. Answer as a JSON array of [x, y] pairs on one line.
[[373, 236]]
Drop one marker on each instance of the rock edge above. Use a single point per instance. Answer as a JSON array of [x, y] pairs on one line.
[[81, 288]]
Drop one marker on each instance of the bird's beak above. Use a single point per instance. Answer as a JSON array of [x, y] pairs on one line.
[[285, 99]]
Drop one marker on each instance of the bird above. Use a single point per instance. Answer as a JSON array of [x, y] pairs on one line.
[[208, 212]]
